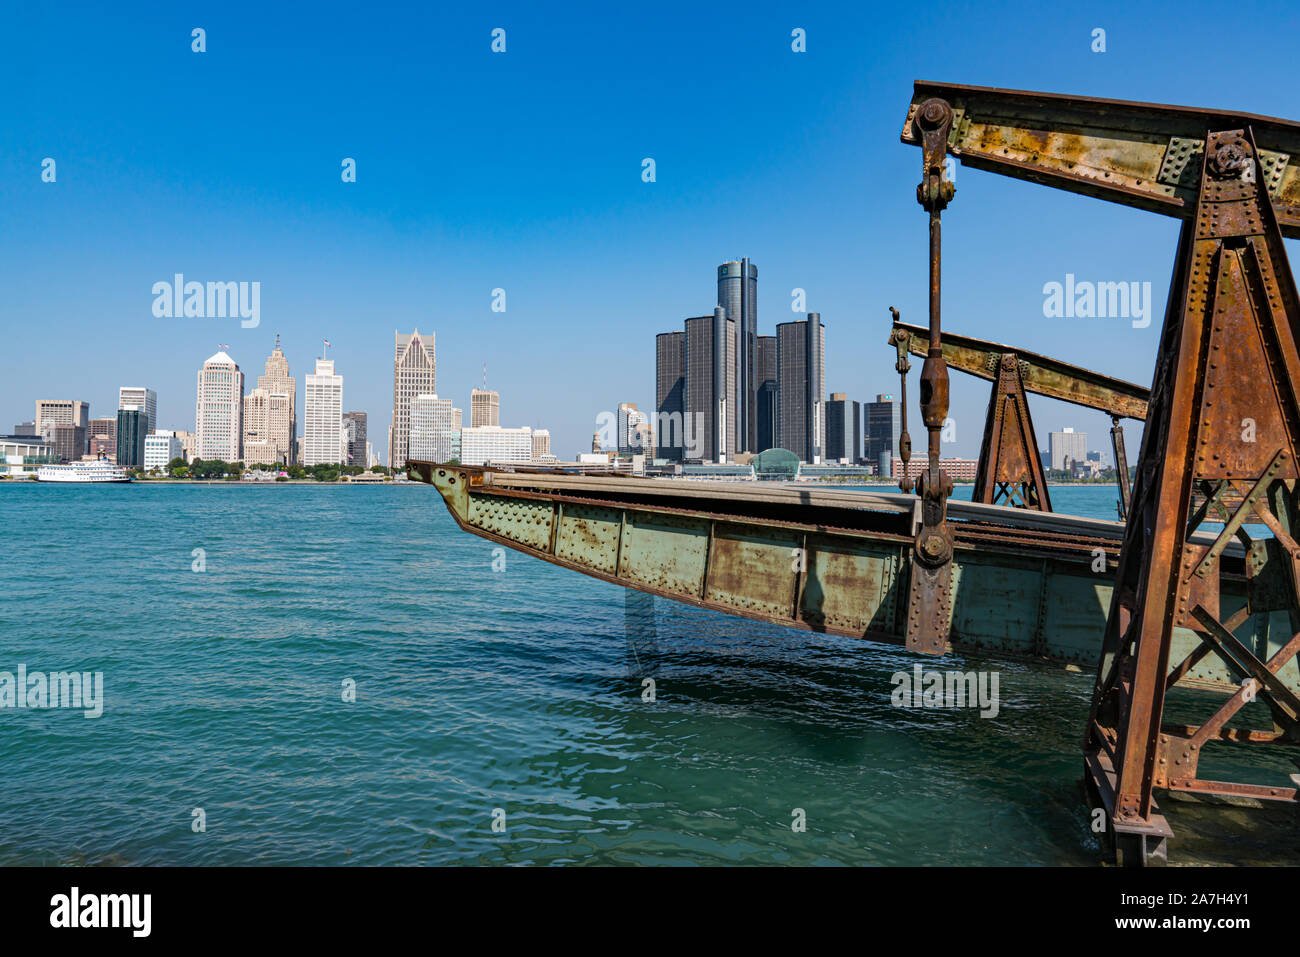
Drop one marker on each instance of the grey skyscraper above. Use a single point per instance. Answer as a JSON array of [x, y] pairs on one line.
[[884, 428], [843, 428], [765, 375], [670, 386], [710, 431], [354, 423], [414, 373], [738, 295], [800, 374]]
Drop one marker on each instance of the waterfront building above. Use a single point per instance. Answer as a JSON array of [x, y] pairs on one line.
[[884, 429], [484, 408], [101, 438], [414, 373], [800, 374], [279, 427], [433, 429], [959, 470], [738, 296], [354, 424], [138, 397], [1067, 447], [219, 411], [670, 389], [131, 436], [710, 429], [765, 377], [322, 416], [60, 412], [491, 444], [186, 440], [843, 429], [266, 416], [160, 447], [22, 454], [68, 441]]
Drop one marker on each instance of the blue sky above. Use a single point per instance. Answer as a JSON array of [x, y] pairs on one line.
[[522, 171]]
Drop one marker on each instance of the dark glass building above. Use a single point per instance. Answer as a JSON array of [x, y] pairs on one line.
[[355, 423], [132, 427], [843, 429], [710, 432], [738, 295], [670, 389], [884, 427], [800, 374], [766, 412]]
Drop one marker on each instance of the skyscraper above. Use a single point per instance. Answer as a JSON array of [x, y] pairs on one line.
[[132, 428], [433, 424], [738, 295], [884, 429], [765, 415], [711, 430], [219, 411], [70, 443], [266, 421], [843, 429], [322, 416], [281, 426], [414, 373], [484, 408], [541, 444], [670, 386], [138, 397], [101, 436], [632, 424], [801, 370], [355, 425], [1067, 447]]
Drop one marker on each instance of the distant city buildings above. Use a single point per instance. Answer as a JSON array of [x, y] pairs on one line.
[[541, 445], [160, 447], [23, 429], [843, 429], [414, 373], [710, 429], [354, 424], [484, 408], [765, 376], [959, 470], [138, 397], [884, 429], [738, 298], [218, 414], [1067, 447], [132, 429], [801, 372], [62, 423], [270, 415], [491, 444], [434, 434], [670, 395], [101, 438], [323, 440], [633, 430]]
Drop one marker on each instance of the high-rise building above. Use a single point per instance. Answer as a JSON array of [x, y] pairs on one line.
[[138, 397], [541, 445], [800, 373], [766, 413], [266, 419], [738, 295], [414, 373], [131, 433], [632, 427], [25, 429], [322, 416], [484, 408], [61, 412], [1067, 447], [884, 430], [433, 429], [280, 427], [670, 389], [710, 430], [491, 444], [355, 424], [219, 412], [843, 429], [187, 441], [68, 441]]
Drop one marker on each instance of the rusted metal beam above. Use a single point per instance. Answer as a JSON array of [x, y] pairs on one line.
[[1041, 375], [1146, 155]]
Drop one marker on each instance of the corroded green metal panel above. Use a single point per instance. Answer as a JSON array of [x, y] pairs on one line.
[[520, 520], [851, 586], [588, 535], [666, 552], [754, 569]]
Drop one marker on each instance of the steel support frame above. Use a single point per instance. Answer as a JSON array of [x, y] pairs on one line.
[[1010, 468]]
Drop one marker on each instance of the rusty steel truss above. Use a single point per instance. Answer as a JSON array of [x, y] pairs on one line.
[[1222, 428]]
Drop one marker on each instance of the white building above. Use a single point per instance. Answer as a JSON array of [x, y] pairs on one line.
[[160, 448], [15, 448], [495, 445], [484, 408], [433, 426], [323, 417], [141, 398], [1067, 447], [219, 413], [414, 373], [541, 444]]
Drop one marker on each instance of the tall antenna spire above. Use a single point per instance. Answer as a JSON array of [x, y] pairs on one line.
[[485, 377]]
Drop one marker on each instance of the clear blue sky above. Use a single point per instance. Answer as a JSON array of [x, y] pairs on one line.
[[522, 170]]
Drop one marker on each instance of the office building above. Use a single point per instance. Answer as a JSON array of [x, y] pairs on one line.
[[491, 444], [843, 429], [541, 445], [633, 425], [1067, 447], [160, 447], [22, 454], [101, 438], [187, 440], [959, 470], [277, 430], [800, 374], [131, 436], [710, 430], [738, 296], [25, 430], [434, 430], [484, 408], [766, 412], [60, 412], [266, 418], [414, 373], [884, 429], [354, 423], [322, 416], [219, 412], [670, 389], [138, 397], [67, 441]]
